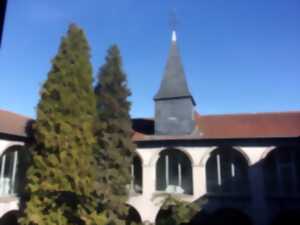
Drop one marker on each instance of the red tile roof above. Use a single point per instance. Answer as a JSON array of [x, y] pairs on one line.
[[13, 124], [234, 126]]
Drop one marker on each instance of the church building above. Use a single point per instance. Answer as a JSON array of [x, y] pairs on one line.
[[239, 168]]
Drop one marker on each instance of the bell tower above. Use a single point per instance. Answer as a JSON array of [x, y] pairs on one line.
[[174, 104]]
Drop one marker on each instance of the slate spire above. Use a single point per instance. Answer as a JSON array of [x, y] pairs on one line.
[[174, 104], [173, 84]]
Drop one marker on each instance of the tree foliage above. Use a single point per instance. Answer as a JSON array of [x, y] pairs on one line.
[[114, 148], [176, 212], [60, 179]]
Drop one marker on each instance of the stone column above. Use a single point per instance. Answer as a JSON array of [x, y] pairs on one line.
[[149, 180], [149, 209], [199, 181]]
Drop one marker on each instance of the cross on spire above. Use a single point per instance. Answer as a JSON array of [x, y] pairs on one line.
[[173, 24], [173, 84]]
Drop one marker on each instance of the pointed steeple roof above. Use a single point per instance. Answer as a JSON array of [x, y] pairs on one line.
[[173, 84]]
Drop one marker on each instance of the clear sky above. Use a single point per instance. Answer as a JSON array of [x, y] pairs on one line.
[[239, 55]]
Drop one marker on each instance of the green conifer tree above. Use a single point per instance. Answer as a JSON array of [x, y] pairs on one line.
[[114, 149], [61, 177]]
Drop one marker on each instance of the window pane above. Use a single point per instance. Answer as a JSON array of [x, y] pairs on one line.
[[226, 172], [212, 175], [137, 166], [9, 164], [8, 172], [270, 174], [297, 165], [160, 174], [233, 172], [284, 155], [173, 169], [240, 181], [286, 176]]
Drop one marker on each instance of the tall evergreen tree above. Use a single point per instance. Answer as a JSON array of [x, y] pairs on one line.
[[60, 179], [114, 149]]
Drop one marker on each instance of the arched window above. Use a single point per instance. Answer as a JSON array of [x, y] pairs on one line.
[[136, 175], [282, 171], [10, 172], [227, 172], [174, 172], [10, 218]]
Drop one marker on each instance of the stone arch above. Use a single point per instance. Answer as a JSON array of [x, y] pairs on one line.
[[163, 215], [174, 172], [245, 155], [10, 218], [267, 152], [281, 171], [227, 172], [155, 156], [10, 144], [133, 216], [224, 216], [138, 154], [206, 156], [12, 147], [167, 214]]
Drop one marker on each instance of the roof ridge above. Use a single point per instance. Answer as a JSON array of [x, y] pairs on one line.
[[229, 114], [15, 114], [250, 113]]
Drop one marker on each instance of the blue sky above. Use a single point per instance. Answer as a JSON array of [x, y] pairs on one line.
[[239, 56]]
